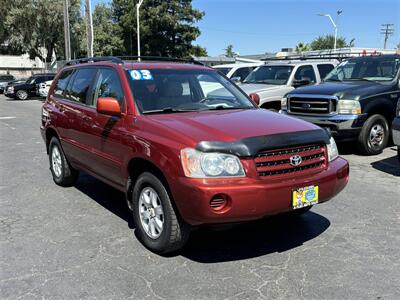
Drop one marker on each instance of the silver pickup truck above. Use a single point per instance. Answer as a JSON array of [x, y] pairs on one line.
[[273, 80]]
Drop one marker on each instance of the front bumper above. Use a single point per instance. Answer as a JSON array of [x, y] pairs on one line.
[[251, 198], [396, 131], [342, 127]]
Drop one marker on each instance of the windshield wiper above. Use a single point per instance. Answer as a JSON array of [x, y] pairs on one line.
[[333, 79], [167, 110], [223, 107], [361, 79]]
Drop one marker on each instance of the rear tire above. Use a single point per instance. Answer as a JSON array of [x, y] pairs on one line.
[[21, 95], [63, 174], [158, 226], [374, 135]]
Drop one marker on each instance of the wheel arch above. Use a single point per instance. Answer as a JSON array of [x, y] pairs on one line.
[[381, 106], [136, 167], [50, 133]]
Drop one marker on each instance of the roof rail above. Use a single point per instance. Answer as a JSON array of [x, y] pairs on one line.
[[338, 56], [162, 58], [94, 59]]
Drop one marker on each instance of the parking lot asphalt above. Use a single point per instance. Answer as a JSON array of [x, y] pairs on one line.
[[79, 242]]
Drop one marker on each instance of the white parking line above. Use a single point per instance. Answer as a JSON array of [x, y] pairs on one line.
[[7, 118]]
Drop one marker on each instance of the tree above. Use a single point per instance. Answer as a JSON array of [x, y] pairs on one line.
[[166, 27], [301, 47], [107, 34], [328, 42], [229, 51], [37, 27]]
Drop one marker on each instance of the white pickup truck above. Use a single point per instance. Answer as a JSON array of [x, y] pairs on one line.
[[273, 80]]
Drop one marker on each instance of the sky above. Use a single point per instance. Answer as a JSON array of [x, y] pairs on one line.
[[259, 26]]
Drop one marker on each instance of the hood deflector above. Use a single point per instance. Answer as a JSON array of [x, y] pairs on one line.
[[251, 146]]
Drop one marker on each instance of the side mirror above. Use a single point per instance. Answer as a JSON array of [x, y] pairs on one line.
[[297, 83], [236, 79], [108, 106]]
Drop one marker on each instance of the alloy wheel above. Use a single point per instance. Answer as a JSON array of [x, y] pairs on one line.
[[56, 163], [151, 212]]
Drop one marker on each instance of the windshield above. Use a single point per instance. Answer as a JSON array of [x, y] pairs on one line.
[[30, 80], [375, 68], [166, 90], [270, 75], [224, 71]]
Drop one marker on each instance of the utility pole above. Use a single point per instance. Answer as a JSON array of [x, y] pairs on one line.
[[66, 32], [387, 30], [138, 27], [89, 28]]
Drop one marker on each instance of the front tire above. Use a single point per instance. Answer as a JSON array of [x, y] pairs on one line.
[[21, 95], [374, 135], [158, 226], [63, 174]]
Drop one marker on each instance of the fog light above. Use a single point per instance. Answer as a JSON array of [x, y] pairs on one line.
[[219, 202]]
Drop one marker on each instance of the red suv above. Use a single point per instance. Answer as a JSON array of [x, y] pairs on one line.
[[185, 145]]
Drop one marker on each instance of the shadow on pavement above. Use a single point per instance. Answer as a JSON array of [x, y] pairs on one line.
[[390, 165], [106, 196], [275, 234], [226, 242]]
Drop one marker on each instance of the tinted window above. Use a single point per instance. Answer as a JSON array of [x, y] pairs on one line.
[[62, 83], [242, 73], [324, 70], [224, 71], [305, 73], [6, 77], [184, 90], [107, 85], [377, 68], [81, 84], [270, 75]]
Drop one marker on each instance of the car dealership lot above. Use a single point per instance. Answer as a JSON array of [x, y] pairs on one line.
[[79, 242]]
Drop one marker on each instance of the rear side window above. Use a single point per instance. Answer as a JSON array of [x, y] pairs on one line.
[[305, 73], [324, 70], [81, 85], [107, 85], [62, 83], [242, 73]]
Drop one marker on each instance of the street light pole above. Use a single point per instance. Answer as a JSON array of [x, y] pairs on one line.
[[334, 25], [138, 27], [89, 28], [66, 32]]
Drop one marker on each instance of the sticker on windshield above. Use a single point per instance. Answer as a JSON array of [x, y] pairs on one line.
[[141, 75]]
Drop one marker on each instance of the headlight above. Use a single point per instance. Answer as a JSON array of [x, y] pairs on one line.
[[349, 107], [198, 164], [284, 103], [11, 89], [333, 152]]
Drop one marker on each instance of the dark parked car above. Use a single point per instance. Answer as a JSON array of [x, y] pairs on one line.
[[396, 129], [356, 102], [29, 88], [182, 154], [4, 80]]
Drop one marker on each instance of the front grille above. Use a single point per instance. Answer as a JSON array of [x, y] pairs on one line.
[[311, 105], [277, 162]]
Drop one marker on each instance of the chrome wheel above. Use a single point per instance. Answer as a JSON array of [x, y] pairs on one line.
[[56, 163], [151, 212], [376, 135], [23, 95]]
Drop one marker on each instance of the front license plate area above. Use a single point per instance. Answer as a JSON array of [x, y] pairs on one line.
[[305, 196]]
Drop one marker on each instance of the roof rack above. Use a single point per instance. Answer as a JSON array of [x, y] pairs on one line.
[[316, 56], [162, 58], [120, 59], [94, 59]]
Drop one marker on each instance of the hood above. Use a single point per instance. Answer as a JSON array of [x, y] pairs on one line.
[[344, 90], [224, 126], [249, 88]]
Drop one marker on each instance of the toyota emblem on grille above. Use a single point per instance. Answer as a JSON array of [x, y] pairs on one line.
[[295, 160], [306, 105]]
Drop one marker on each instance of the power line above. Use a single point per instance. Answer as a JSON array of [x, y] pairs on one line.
[[387, 30]]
